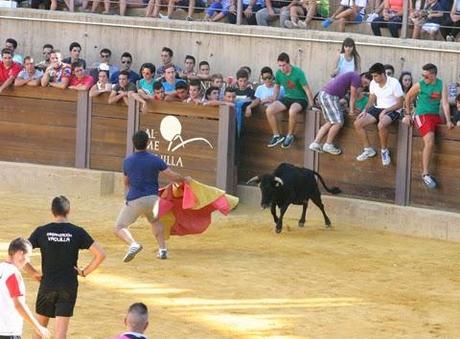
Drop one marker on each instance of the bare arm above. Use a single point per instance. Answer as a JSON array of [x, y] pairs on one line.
[[336, 63], [309, 93], [61, 85], [98, 257], [30, 270], [353, 92], [20, 82], [446, 107], [27, 315], [410, 97], [8, 82], [114, 97], [34, 83]]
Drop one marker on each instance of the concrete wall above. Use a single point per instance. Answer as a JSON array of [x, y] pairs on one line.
[[225, 46]]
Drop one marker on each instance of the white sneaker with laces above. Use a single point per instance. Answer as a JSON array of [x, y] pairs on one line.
[[315, 147], [331, 149], [386, 159], [162, 254], [367, 153], [132, 251]]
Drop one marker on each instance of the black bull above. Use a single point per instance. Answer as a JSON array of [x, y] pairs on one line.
[[291, 185]]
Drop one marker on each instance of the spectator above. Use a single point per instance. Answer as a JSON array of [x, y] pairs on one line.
[[229, 96], [430, 94], [141, 171], [389, 70], [405, 79], [123, 89], [180, 94], [105, 55], [194, 92], [188, 72], [348, 59], [75, 50], [264, 93], [13, 308], [204, 70], [95, 5], [70, 4], [9, 69], [79, 80], [391, 17], [329, 98], [428, 19], [218, 10], [29, 75], [136, 322], [298, 98], [126, 63], [103, 84], [301, 8], [450, 26], [217, 80], [166, 62], [145, 85], [60, 242], [211, 97], [169, 80], [58, 73], [43, 65], [273, 9], [349, 11], [383, 107], [159, 91], [250, 7], [457, 111], [190, 4], [12, 44], [243, 89]]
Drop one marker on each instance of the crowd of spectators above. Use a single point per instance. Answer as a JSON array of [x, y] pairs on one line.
[[435, 18]]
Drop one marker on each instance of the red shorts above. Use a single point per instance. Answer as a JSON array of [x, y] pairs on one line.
[[427, 123]]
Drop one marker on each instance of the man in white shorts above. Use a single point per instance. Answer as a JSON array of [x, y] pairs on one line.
[[141, 170]]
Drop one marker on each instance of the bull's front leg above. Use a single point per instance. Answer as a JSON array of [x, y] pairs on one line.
[[279, 223], [273, 210], [304, 211]]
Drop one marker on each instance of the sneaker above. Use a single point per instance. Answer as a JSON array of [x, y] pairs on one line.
[[132, 251], [276, 139], [332, 149], [188, 18], [366, 154], [326, 23], [315, 147], [164, 17], [162, 254], [290, 24], [288, 141], [302, 24], [386, 159], [429, 181]]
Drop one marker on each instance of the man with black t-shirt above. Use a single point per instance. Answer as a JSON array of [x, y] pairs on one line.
[[60, 243]]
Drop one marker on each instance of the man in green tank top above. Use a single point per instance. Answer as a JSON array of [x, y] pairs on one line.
[[430, 94]]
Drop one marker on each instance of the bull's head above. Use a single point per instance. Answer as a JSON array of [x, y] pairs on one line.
[[268, 185]]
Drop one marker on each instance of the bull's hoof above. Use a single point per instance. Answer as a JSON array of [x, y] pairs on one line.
[[328, 226], [278, 230], [301, 224]]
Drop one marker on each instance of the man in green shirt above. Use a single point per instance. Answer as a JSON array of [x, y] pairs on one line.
[[431, 94], [298, 96]]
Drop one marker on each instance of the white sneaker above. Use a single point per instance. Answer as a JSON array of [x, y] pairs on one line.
[[132, 251], [315, 147], [290, 24], [302, 24], [386, 159], [429, 181], [164, 17], [162, 254], [366, 154], [331, 149]]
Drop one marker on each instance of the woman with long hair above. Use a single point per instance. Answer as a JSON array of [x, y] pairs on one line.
[[348, 59]]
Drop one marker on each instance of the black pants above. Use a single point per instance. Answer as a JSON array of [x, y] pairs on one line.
[[251, 20], [454, 29]]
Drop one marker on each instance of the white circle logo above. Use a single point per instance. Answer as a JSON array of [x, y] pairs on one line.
[[170, 127]]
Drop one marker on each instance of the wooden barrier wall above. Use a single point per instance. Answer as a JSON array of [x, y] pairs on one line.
[[67, 128]]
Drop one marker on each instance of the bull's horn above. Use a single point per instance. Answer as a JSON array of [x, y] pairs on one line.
[[255, 179], [279, 180]]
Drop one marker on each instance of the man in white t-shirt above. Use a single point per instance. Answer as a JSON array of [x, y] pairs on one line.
[[383, 107], [13, 307]]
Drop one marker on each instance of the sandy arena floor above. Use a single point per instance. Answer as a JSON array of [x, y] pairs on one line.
[[241, 280]]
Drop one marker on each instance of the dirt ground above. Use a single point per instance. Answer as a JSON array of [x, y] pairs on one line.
[[241, 280]]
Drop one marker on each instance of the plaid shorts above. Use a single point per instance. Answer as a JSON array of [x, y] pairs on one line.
[[332, 110]]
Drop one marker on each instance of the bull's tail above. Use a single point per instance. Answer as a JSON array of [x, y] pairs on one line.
[[333, 190]]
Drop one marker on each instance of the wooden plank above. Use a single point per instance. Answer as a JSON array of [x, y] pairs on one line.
[[367, 179], [445, 167], [39, 92], [182, 109]]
